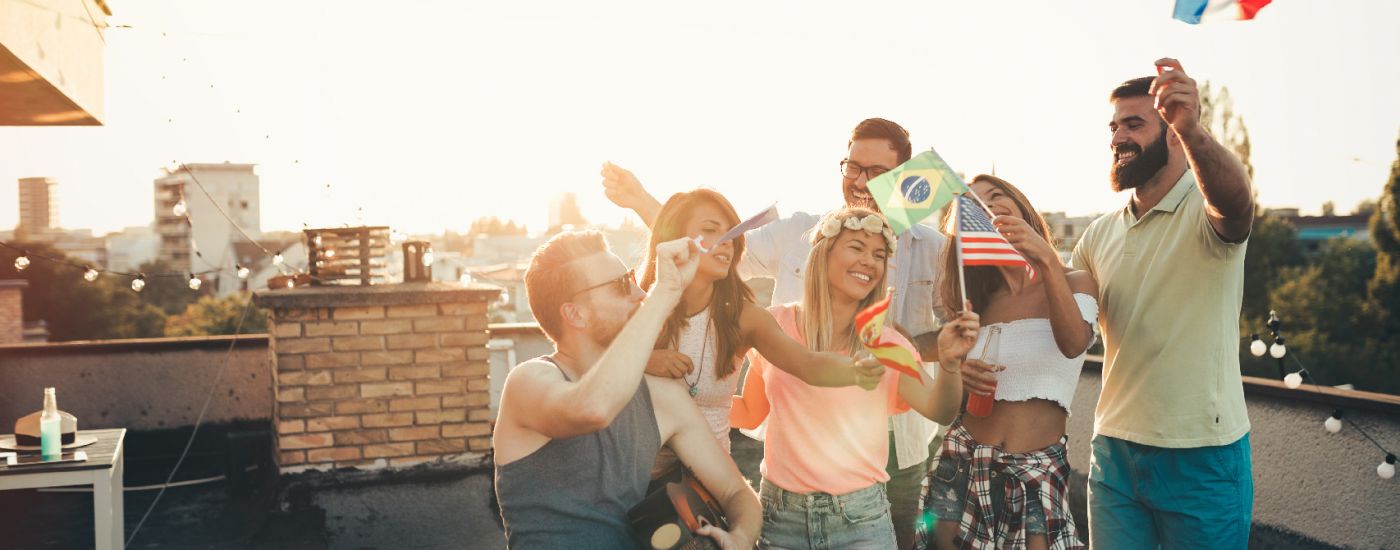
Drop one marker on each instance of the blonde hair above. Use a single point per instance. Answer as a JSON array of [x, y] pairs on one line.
[[817, 318]]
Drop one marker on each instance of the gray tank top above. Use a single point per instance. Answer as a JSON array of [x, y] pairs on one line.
[[575, 492]]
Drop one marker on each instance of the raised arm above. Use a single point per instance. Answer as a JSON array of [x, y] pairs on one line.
[[625, 190], [1072, 334], [824, 369], [542, 401], [1224, 182]]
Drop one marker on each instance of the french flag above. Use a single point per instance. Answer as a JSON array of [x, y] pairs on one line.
[[1193, 11]]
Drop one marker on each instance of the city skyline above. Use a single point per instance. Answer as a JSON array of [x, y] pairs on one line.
[[430, 116]]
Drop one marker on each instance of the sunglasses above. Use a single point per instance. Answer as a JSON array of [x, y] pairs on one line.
[[623, 284]]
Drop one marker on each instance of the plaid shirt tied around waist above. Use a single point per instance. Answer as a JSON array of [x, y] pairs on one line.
[[1041, 475]]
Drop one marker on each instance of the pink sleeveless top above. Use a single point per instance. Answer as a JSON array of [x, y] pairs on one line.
[[825, 440]]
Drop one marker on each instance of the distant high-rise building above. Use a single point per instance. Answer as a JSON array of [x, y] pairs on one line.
[[203, 239], [563, 210], [38, 207]]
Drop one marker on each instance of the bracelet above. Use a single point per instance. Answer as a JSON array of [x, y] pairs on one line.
[[954, 370]]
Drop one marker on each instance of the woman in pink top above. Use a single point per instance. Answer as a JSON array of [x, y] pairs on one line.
[[717, 321], [826, 448]]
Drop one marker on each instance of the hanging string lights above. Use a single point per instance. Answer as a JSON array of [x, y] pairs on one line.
[[1294, 380]]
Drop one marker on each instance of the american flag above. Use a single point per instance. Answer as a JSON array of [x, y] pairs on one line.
[[979, 243]]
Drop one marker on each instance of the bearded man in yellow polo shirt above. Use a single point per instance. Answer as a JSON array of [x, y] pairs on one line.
[[1171, 459]]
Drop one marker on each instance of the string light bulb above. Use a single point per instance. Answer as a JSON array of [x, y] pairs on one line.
[[242, 271], [195, 282], [1387, 469], [180, 208], [1257, 347], [1277, 350], [277, 259], [1333, 424], [22, 261], [90, 275], [291, 283], [1293, 380], [316, 241], [427, 256], [139, 282], [330, 253]]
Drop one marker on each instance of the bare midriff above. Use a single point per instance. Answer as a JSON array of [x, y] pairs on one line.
[[1019, 426]]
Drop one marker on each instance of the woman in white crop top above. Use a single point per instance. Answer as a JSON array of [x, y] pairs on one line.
[[716, 322], [1014, 458]]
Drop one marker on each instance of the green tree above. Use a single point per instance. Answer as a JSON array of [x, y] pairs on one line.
[[75, 309], [1327, 327], [171, 294], [1273, 248], [1384, 287], [1218, 115], [211, 316]]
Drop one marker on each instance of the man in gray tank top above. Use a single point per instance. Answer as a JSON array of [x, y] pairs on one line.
[[578, 430]]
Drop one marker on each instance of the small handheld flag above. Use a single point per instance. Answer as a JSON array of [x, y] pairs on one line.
[[767, 216], [915, 190], [979, 243], [869, 323], [1193, 11]]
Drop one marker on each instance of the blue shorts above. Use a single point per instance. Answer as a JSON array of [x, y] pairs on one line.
[[856, 520], [947, 491], [1142, 496]]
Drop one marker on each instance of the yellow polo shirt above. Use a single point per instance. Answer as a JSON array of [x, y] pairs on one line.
[[1169, 310]]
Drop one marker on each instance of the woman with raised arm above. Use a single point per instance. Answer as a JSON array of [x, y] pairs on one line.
[[1015, 457]]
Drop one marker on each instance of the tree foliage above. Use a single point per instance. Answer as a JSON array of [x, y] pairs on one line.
[[1341, 308], [211, 316], [75, 309]]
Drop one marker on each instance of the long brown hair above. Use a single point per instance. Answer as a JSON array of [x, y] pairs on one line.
[[817, 319], [731, 292], [983, 280]]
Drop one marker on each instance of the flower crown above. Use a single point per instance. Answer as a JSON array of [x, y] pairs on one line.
[[832, 225]]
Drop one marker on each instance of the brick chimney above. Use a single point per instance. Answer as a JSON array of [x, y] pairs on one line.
[[12, 310], [379, 376]]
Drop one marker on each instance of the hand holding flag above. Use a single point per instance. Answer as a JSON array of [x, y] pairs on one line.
[[915, 190], [979, 242], [869, 324]]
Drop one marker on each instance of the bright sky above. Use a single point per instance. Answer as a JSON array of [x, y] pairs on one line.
[[427, 115]]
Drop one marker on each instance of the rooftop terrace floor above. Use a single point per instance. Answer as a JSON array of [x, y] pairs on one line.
[[424, 507]]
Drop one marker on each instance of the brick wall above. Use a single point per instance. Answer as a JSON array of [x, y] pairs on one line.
[[12, 311], [390, 375]]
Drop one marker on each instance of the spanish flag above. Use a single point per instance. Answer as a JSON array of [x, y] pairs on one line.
[[870, 323], [915, 190]]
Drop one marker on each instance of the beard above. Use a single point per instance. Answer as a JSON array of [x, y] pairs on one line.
[[863, 200], [1141, 168], [604, 331]]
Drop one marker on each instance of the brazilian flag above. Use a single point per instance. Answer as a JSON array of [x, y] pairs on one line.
[[915, 190]]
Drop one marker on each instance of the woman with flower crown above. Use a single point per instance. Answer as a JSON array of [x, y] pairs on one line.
[[825, 449]]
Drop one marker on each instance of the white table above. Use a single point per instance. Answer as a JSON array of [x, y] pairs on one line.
[[102, 470]]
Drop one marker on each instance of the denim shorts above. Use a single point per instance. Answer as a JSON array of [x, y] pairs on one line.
[[947, 491], [855, 520]]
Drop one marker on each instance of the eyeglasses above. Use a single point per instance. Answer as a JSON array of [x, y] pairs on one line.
[[623, 284], [852, 171]]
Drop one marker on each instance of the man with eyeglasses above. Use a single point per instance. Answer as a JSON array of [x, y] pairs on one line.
[[579, 429], [779, 250]]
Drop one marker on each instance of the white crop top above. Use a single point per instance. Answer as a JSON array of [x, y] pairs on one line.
[[1035, 368]]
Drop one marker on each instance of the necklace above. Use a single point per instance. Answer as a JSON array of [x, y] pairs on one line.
[[704, 344]]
